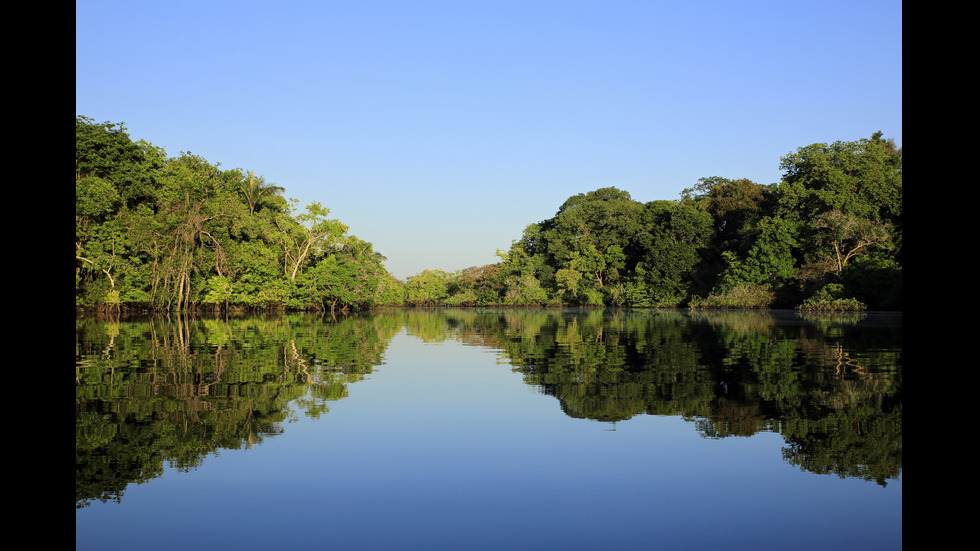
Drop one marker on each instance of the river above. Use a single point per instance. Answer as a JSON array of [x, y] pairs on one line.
[[490, 429]]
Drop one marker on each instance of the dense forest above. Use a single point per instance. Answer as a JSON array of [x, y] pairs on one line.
[[159, 233]]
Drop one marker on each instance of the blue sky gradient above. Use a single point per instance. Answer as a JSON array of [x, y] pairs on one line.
[[439, 129]]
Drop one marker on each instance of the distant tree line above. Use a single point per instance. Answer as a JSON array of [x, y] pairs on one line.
[[178, 233]]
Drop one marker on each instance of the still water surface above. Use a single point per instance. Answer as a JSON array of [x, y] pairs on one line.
[[490, 429]]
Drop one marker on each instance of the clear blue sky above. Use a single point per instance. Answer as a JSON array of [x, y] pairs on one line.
[[439, 129]]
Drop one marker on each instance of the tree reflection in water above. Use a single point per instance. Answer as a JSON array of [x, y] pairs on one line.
[[158, 391]]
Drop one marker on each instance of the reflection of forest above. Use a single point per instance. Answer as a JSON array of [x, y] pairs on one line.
[[831, 386], [173, 390]]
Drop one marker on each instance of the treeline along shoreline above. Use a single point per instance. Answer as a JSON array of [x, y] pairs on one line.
[[155, 233]]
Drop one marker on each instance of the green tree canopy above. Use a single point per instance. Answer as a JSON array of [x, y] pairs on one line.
[[181, 233]]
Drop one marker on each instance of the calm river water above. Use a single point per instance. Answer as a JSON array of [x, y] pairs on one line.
[[490, 429]]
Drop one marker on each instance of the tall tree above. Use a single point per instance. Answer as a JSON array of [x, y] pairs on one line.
[[734, 204], [114, 176], [848, 196], [256, 191], [861, 178], [349, 277], [312, 231], [590, 243], [675, 236]]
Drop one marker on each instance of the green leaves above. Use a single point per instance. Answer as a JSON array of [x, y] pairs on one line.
[[257, 192], [861, 178], [179, 233], [427, 288]]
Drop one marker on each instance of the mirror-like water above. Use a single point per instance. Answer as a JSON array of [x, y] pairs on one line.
[[490, 429]]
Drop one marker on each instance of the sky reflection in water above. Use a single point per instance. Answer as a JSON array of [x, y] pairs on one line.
[[444, 446]]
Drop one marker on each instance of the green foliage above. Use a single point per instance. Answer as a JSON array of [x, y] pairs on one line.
[[735, 242], [215, 384], [476, 286], [179, 233], [520, 275], [467, 297], [769, 262], [676, 236], [428, 288], [831, 298], [848, 198], [352, 278], [257, 192], [219, 291], [104, 151], [861, 178], [734, 205], [875, 281], [740, 295]]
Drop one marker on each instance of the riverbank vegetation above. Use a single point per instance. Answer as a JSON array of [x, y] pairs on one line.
[[159, 233]]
